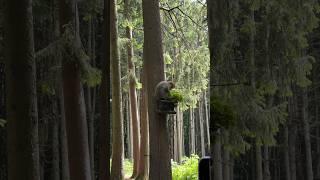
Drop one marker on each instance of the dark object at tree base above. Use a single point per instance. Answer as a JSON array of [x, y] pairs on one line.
[[205, 165], [167, 107]]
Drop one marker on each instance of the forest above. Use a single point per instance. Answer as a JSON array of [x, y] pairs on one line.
[[145, 90]]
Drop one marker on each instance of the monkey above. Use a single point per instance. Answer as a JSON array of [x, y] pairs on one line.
[[163, 88], [162, 95]]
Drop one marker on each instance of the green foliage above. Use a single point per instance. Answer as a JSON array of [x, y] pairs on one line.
[[127, 167], [176, 95], [47, 88], [2, 122], [91, 76], [188, 169], [222, 112]]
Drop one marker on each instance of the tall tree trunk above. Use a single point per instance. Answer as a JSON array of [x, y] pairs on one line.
[[77, 132], [226, 164], [105, 105], [127, 119], [318, 154], [65, 174], [266, 163], [203, 148], [180, 135], [259, 173], [117, 120], [317, 166], [144, 122], [160, 165], [231, 167], [55, 169], [217, 157], [55, 164], [132, 93], [88, 99], [192, 132], [216, 13], [22, 114], [206, 118], [307, 140], [292, 152], [286, 152]]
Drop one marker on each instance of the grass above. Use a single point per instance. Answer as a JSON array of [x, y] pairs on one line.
[[187, 169]]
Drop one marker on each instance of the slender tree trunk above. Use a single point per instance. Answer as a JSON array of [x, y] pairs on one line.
[[318, 154], [65, 175], [306, 128], [22, 114], [259, 173], [203, 147], [75, 114], [132, 94], [88, 96], [206, 119], [292, 152], [266, 164], [226, 165], [231, 167], [160, 165], [105, 105], [127, 119], [286, 152], [174, 138], [217, 157], [117, 120], [76, 124], [55, 168], [192, 133], [89, 108], [180, 135], [317, 175], [144, 148]]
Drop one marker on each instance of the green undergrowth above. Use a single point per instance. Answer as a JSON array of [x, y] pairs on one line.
[[128, 167], [187, 169]]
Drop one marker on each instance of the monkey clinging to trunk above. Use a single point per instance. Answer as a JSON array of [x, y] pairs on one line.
[[165, 104]]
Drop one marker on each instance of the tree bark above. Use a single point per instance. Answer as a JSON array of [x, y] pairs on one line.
[[144, 147], [76, 125], [55, 167], [266, 163], [286, 152], [105, 105], [117, 120], [132, 94], [203, 148], [192, 132], [207, 127], [217, 157], [160, 165], [65, 174], [307, 140], [226, 165], [88, 102], [259, 173], [292, 152], [22, 114]]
